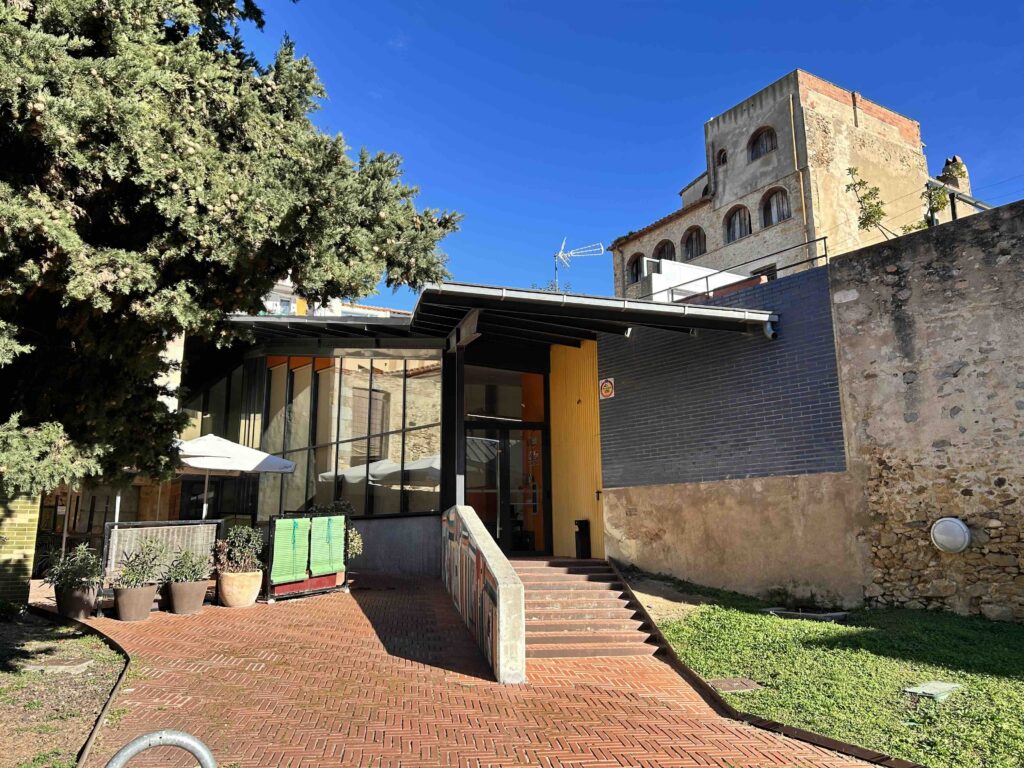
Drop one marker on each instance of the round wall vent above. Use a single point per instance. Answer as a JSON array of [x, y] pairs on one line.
[[951, 535]]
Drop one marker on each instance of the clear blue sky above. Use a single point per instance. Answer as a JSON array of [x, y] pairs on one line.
[[542, 120]]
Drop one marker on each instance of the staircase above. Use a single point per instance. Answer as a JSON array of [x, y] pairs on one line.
[[576, 608]]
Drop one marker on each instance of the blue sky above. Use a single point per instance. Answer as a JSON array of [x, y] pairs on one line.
[[540, 121]]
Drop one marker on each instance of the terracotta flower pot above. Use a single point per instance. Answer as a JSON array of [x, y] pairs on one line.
[[134, 603], [238, 590], [76, 602], [187, 596]]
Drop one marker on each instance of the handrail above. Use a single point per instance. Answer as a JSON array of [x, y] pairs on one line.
[[164, 738], [707, 281]]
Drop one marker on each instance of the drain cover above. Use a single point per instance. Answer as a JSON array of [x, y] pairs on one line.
[[734, 684], [933, 689]]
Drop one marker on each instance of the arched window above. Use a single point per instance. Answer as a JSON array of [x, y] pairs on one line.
[[763, 142], [737, 224], [694, 243], [634, 269], [666, 250], [707, 189], [774, 207], [722, 158]]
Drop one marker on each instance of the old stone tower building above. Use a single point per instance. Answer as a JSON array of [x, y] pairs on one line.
[[775, 184]]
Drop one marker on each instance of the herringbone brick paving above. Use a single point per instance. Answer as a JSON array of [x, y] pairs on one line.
[[389, 676]]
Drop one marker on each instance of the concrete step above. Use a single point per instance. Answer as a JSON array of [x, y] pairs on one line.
[[573, 601], [547, 613], [556, 562], [551, 574], [572, 585], [585, 638], [568, 626], [578, 650]]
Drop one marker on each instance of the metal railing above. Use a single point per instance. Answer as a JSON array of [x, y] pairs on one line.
[[706, 279], [165, 738]]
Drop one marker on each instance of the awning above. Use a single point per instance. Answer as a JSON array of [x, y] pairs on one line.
[[566, 318]]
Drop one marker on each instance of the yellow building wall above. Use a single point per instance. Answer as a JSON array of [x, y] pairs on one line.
[[575, 447]]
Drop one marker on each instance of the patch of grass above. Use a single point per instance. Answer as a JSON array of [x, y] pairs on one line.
[[52, 759], [116, 715], [847, 681]]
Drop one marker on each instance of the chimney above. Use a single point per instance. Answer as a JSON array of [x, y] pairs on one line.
[[961, 182]]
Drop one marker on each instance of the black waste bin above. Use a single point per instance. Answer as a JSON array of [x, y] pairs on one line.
[[583, 539]]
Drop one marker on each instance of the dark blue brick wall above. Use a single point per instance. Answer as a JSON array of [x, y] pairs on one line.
[[726, 405]]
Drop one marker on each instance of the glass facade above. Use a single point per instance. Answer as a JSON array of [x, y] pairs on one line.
[[366, 428]]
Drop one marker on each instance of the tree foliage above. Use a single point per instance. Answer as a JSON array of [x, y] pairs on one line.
[[870, 208], [156, 178]]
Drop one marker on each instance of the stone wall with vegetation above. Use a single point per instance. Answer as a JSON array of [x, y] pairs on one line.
[[930, 345], [19, 518]]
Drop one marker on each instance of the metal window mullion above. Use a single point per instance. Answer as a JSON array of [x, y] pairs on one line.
[[286, 427], [403, 503], [337, 425], [367, 506]]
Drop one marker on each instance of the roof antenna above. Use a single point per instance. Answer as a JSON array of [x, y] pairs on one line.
[[564, 257]]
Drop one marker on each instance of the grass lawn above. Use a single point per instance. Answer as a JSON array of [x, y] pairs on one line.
[[846, 681]]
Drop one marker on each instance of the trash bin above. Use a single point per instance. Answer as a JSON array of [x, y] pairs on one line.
[[583, 539]]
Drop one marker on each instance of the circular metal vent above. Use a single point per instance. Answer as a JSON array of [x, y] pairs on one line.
[[951, 535]]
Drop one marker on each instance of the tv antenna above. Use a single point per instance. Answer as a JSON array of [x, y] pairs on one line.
[[565, 257]]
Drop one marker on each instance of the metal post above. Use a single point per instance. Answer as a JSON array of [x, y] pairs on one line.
[[165, 738], [206, 491], [67, 519], [117, 507]]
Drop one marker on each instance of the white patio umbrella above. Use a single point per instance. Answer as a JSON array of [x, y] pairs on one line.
[[212, 455]]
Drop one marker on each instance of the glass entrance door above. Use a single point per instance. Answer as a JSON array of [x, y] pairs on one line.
[[505, 484]]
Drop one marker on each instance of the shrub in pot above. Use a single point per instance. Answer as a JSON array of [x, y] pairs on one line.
[[137, 581], [239, 568], [187, 578], [75, 577]]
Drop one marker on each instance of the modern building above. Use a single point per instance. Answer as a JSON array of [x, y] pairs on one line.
[[774, 198]]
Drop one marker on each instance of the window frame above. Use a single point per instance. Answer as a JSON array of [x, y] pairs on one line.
[[635, 269], [721, 158], [766, 201], [662, 243], [693, 231], [735, 211], [756, 140]]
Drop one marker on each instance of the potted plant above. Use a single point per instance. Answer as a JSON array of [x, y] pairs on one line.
[[187, 578], [136, 583], [75, 577], [239, 568]]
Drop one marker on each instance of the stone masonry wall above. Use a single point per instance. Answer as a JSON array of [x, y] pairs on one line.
[[19, 518], [930, 346]]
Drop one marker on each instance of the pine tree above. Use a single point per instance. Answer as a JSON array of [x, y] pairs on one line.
[[154, 178]]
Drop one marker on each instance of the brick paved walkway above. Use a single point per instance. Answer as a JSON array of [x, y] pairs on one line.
[[388, 676]]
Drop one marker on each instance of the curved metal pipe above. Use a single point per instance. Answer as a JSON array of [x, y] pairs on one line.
[[769, 330], [165, 738]]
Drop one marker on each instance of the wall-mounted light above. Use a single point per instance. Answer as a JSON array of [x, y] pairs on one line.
[[950, 535]]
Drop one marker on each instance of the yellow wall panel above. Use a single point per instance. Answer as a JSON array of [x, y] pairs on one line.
[[575, 447]]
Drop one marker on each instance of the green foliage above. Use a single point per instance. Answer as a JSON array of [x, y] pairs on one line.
[[847, 681], [871, 211], [143, 565], [240, 551], [353, 542], [189, 566], [936, 199], [157, 178], [78, 569]]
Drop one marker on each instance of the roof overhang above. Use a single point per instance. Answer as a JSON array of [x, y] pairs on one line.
[[543, 316], [511, 314]]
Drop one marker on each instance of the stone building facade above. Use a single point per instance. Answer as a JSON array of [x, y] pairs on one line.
[[776, 182], [916, 347]]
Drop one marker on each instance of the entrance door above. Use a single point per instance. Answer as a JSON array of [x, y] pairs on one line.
[[505, 485]]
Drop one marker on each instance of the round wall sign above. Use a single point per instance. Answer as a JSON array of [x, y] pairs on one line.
[[951, 535]]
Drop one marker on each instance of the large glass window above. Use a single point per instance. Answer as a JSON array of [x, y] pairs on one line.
[[495, 393], [364, 429]]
